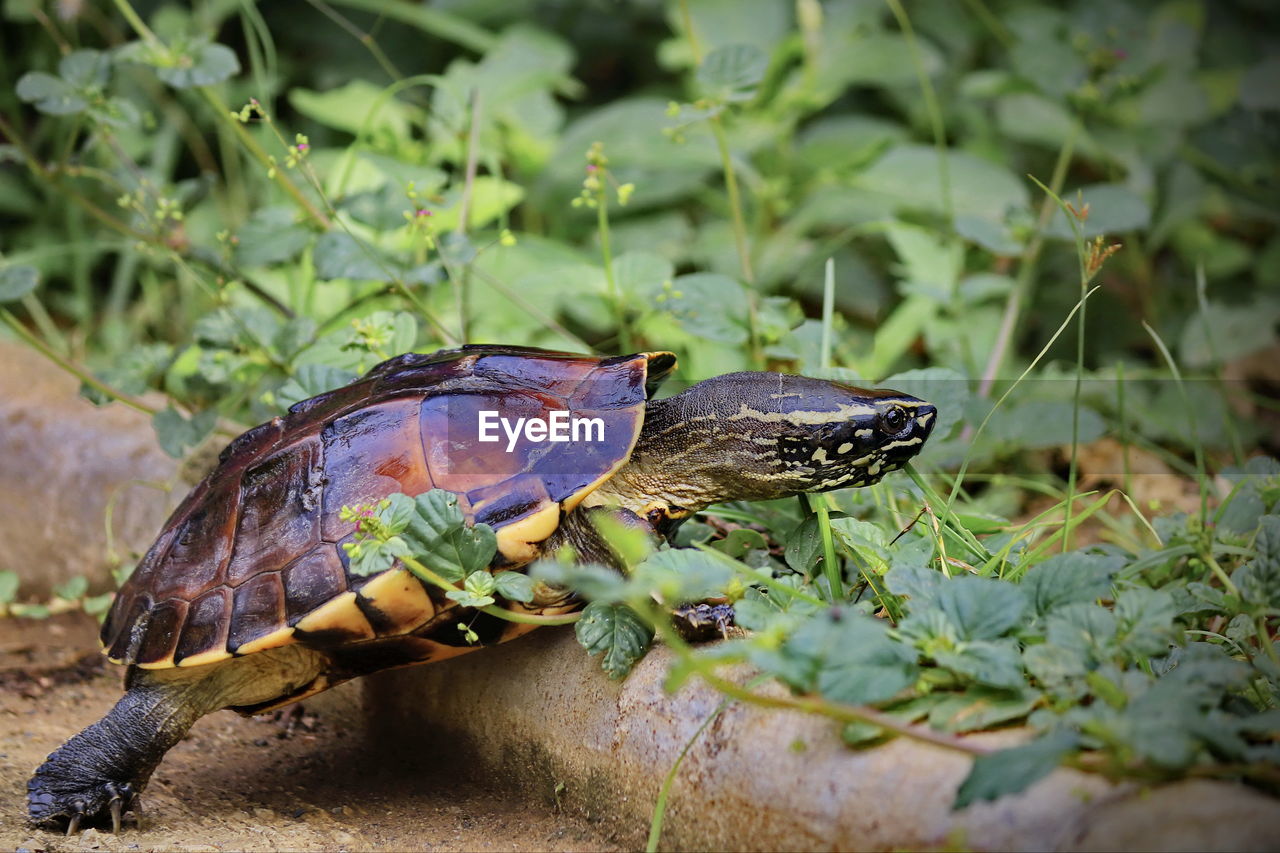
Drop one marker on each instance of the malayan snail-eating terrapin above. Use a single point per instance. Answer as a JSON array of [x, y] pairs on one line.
[[246, 599]]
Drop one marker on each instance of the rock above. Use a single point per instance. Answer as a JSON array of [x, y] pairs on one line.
[[550, 716], [61, 461]]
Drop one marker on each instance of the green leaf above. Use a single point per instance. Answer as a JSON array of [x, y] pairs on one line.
[[591, 580], [917, 583], [1011, 771], [8, 586], [617, 632], [851, 657], [437, 535], [271, 235], [51, 95], [1259, 579], [804, 547], [339, 255], [908, 174], [1054, 666], [1145, 620], [1086, 629], [86, 69], [74, 588], [514, 586], [1071, 578], [356, 106], [993, 663], [981, 708], [684, 575], [1037, 424], [1113, 209], [708, 305], [201, 64], [731, 73], [739, 542], [981, 608], [16, 281], [312, 379], [1225, 333], [176, 434]]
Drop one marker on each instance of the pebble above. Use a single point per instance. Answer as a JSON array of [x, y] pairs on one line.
[[263, 814], [343, 838]]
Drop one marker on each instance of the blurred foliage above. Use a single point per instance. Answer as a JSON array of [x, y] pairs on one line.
[[242, 205]]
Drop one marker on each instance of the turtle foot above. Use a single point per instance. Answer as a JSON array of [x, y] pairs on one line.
[[56, 807], [699, 623]]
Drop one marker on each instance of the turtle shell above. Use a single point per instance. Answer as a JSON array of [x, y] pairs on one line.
[[253, 559]]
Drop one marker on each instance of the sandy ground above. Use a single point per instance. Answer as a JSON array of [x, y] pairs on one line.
[[296, 780]]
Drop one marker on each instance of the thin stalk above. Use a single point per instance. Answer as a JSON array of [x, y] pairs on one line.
[[1202, 476], [439, 581], [462, 284], [828, 312], [950, 523], [931, 108], [1021, 291], [606, 252]]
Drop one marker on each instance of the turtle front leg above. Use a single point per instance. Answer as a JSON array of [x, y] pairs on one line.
[[100, 772]]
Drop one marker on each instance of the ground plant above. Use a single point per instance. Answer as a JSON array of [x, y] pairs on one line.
[[1055, 222]]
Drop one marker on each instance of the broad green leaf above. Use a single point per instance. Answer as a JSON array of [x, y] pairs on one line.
[[1225, 333], [981, 708], [177, 434], [1054, 666], [731, 73], [1086, 629], [1011, 771], [74, 588], [909, 175], [356, 106], [1259, 579], [617, 633], [804, 547], [272, 235], [993, 663], [919, 584], [857, 662], [1036, 424], [16, 281], [1145, 620], [514, 586], [684, 575], [591, 581], [339, 255], [1112, 209], [200, 64], [50, 94], [438, 536], [1071, 578], [642, 274], [309, 380], [739, 542], [86, 69], [981, 608], [708, 305]]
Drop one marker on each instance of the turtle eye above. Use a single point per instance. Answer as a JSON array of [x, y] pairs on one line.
[[893, 420]]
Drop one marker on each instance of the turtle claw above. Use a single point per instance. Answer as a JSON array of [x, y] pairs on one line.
[[117, 806], [74, 823], [702, 622]]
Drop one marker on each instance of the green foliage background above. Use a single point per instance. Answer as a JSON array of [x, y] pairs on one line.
[[242, 205]]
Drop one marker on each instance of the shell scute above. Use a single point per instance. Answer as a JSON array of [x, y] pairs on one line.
[[369, 454], [257, 609], [279, 511], [311, 580], [204, 634], [161, 638]]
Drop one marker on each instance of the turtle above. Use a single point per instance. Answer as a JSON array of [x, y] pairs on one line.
[[247, 601]]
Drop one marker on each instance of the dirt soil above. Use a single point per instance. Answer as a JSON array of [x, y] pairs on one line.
[[304, 778]]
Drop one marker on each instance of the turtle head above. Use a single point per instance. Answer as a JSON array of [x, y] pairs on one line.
[[754, 436]]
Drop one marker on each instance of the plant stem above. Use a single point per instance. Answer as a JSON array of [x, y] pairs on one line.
[[931, 109], [606, 252], [439, 581], [1021, 291]]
